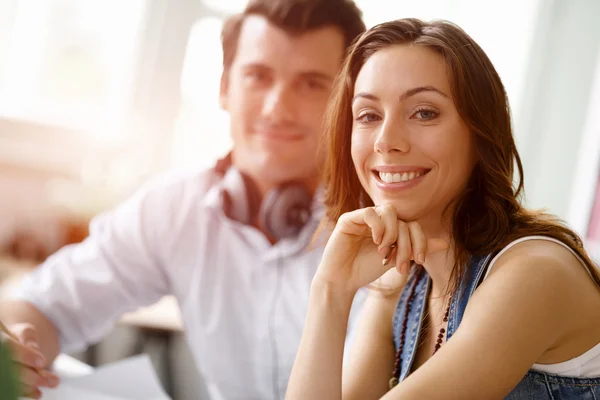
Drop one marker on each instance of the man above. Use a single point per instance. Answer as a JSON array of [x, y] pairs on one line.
[[232, 243]]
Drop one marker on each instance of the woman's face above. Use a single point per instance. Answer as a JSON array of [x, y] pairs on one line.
[[410, 147]]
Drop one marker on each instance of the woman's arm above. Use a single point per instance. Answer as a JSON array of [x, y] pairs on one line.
[[370, 363], [317, 371], [352, 259], [371, 360]]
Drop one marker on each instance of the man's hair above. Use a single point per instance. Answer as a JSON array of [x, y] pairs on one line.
[[295, 17]]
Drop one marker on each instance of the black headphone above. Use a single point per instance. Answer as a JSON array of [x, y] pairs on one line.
[[283, 211]]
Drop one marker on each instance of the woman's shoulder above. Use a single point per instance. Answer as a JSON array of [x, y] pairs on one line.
[[538, 254], [542, 274], [542, 270], [558, 289]]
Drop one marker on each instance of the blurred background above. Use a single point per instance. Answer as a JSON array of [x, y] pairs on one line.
[[96, 96]]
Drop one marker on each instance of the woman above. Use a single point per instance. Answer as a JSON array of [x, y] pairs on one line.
[[494, 301]]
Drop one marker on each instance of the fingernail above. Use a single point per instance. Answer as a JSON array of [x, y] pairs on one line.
[[52, 381], [421, 258]]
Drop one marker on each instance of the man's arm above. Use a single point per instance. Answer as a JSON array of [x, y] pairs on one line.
[[76, 296]]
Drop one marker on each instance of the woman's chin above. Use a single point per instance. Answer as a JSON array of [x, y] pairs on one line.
[[408, 216], [405, 212]]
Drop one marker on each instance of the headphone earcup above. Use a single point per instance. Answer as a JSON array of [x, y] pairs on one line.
[[284, 211], [240, 196]]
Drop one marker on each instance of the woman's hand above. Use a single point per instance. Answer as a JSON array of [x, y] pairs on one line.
[[360, 241]]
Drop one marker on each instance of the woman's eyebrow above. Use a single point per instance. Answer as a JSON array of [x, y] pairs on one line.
[[403, 96]]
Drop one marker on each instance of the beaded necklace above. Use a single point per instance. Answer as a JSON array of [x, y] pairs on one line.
[[396, 374]]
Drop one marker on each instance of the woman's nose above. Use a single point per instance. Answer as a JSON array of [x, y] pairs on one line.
[[391, 138]]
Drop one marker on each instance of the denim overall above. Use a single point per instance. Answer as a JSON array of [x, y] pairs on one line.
[[536, 385]]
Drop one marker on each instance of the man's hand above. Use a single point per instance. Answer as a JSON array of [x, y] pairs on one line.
[[29, 361]]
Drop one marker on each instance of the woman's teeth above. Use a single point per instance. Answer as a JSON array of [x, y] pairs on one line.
[[388, 177]]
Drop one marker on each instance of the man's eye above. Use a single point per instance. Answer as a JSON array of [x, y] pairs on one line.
[[314, 84], [257, 76]]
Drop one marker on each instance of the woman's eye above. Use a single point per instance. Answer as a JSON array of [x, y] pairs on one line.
[[367, 117], [425, 114]]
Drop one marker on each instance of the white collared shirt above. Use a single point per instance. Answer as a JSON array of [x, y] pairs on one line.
[[243, 301]]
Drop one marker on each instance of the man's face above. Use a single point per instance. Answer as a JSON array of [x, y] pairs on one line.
[[276, 94]]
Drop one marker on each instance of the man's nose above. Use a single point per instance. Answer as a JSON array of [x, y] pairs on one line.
[[278, 104]]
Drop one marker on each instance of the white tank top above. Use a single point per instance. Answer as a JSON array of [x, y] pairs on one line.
[[586, 365]]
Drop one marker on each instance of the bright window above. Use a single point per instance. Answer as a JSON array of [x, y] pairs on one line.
[[69, 62], [202, 127]]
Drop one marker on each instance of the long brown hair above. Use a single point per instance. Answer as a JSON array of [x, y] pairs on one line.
[[488, 215]]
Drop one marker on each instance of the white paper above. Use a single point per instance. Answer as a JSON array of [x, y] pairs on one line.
[[66, 366], [130, 379], [70, 393]]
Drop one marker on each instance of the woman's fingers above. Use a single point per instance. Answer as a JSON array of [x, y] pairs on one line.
[[418, 242], [412, 244], [404, 250], [397, 241], [388, 216], [390, 253], [379, 223], [373, 221], [362, 222]]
